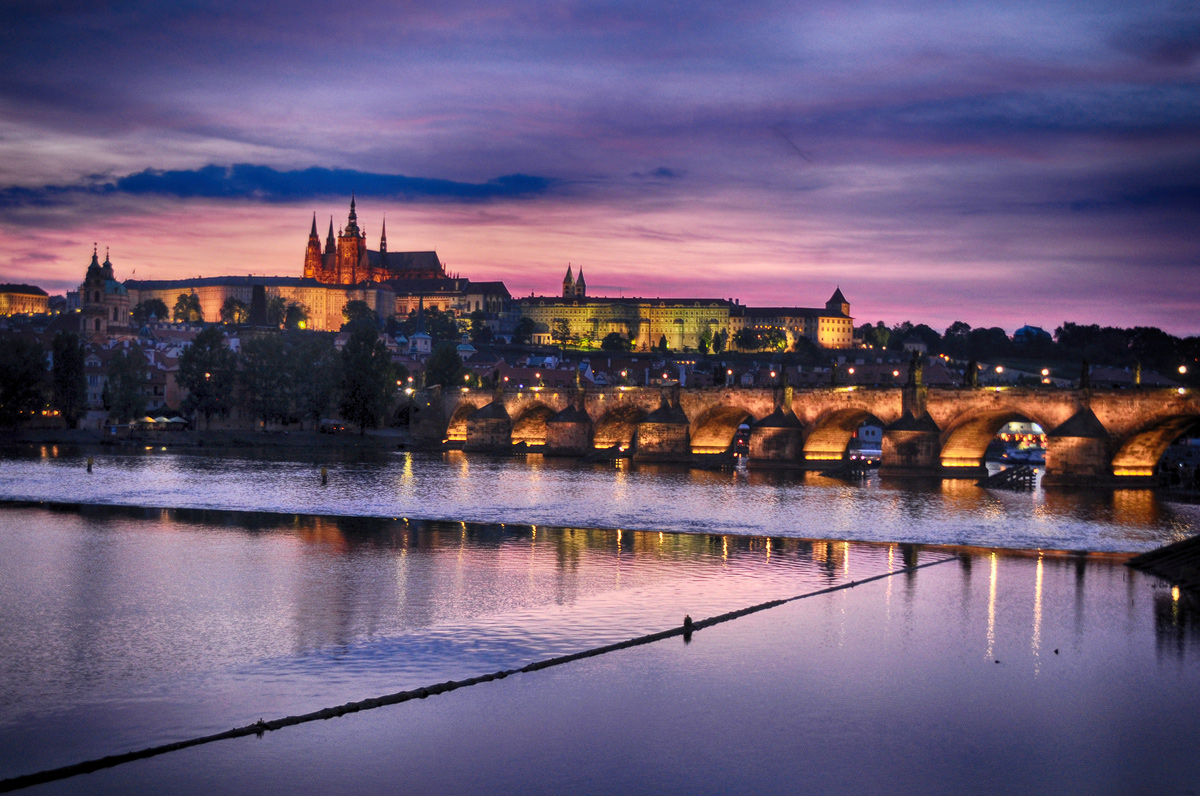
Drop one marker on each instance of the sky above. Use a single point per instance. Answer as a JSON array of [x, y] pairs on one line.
[[999, 163]]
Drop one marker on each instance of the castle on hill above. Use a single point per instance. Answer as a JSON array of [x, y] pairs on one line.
[[348, 261]]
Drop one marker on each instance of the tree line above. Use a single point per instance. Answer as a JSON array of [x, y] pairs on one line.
[[276, 377], [1148, 346]]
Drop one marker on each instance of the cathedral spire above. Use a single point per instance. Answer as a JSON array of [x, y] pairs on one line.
[[383, 238], [313, 232], [329, 240]]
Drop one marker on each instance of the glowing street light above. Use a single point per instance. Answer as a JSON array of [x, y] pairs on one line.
[[1182, 369], [999, 368], [1045, 371], [895, 373]]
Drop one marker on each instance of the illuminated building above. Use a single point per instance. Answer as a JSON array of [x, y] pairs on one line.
[[23, 300], [103, 301], [347, 261], [683, 322], [830, 326], [323, 303]]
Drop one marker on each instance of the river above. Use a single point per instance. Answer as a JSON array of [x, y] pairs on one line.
[[168, 595]]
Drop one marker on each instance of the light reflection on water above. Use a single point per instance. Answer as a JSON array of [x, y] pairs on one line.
[[929, 682], [124, 627], [567, 493], [127, 627]]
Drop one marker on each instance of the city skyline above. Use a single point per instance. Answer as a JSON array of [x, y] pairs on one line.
[[992, 163]]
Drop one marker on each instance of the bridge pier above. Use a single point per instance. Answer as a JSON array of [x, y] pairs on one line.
[[775, 441], [489, 428], [569, 433], [912, 447], [662, 436], [1077, 452]]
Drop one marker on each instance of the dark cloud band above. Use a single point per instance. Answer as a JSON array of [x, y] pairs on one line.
[[265, 184]]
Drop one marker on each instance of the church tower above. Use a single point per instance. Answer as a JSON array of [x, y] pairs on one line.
[[351, 250], [104, 302], [312, 254], [580, 285], [568, 284]]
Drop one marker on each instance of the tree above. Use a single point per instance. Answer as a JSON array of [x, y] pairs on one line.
[[955, 340], [234, 311], [773, 337], [144, 309], [747, 339], [614, 341], [719, 340], [524, 331], [264, 377], [295, 316], [188, 309], [125, 390], [560, 332], [662, 344], [276, 310], [367, 378], [315, 372], [208, 372], [444, 366], [358, 314], [22, 378], [68, 378], [706, 339], [481, 333], [876, 336]]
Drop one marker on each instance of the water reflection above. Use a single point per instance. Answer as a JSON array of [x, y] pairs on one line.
[[200, 613], [568, 493], [1176, 620]]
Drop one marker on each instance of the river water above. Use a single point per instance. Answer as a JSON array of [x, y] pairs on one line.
[[125, 627], [565, 493]]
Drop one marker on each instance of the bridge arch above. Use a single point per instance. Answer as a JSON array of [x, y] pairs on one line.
[[530, 426], [456, 429], [1138, 453], [966, 438], [618, 427], [713, 431], [830, 433]]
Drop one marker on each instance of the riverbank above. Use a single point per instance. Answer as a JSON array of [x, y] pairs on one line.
[[374, 439]]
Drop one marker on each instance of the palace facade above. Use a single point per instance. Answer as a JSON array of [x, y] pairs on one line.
[[683, 322], [23, 300]]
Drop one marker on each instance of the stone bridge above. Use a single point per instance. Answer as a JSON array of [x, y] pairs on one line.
[[1093, 436]]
